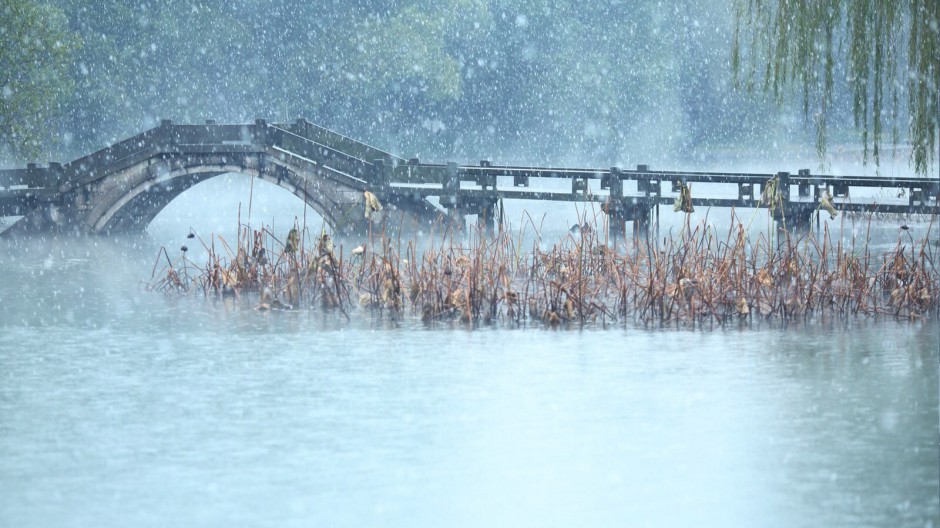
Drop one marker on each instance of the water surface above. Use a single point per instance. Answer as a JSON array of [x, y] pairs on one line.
[[124, 408]]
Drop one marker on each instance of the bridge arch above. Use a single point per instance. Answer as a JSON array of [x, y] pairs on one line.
[[142, 194]]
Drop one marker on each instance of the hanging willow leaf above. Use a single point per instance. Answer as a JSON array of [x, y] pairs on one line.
[[795, 44]]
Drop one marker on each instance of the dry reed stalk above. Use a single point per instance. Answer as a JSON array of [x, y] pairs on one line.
[[699, 277]]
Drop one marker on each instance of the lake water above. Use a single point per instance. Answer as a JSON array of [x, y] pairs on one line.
[[124, 408]]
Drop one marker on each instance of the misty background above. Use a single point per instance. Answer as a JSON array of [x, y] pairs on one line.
[[515, 81]]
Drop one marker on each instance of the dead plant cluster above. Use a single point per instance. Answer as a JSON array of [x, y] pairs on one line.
[[697, 277]]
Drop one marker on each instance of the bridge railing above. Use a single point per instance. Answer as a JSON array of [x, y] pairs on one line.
[[211, 134], [425, 173], [113, 157], [33, 176], [321, 155], [165, 138], [337, 141], [802, 189]]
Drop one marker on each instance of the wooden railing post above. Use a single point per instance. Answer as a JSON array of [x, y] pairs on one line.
[[165, 137], [55, 174], [381, 175], [450, 197], [260, 133]]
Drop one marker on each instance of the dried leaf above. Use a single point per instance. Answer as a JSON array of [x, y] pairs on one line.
[[742, 306]]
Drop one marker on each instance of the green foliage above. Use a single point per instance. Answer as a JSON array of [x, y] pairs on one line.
[[35, 48], [780, 44]]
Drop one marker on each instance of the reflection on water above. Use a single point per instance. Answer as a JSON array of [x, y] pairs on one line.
[[119, 407]]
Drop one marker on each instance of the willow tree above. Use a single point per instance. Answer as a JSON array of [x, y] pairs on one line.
[[887, 51]]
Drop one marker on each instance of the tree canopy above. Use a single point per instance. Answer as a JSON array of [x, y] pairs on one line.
[[885, 53], [35, 49]]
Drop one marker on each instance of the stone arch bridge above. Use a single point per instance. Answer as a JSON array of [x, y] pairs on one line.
[[124, 186]]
